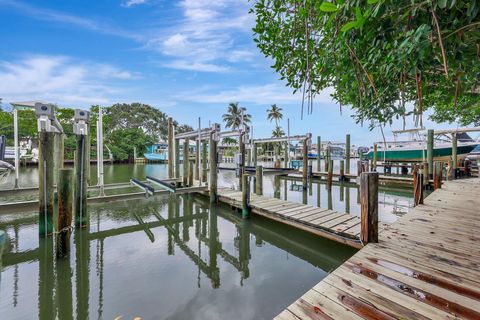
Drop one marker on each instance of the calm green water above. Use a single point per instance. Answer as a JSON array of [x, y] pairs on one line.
[[172, 257]]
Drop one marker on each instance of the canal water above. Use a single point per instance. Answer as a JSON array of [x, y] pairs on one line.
[[172, 257]]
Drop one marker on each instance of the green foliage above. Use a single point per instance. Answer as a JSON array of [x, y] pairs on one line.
[[233, 116], [123, 141], [380, 56]]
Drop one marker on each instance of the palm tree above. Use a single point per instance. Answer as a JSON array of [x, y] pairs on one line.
[[278, 132], [274, 114], [234, 115]]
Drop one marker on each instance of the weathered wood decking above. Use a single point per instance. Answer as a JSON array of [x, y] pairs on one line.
[[425, 266], [341, 227]]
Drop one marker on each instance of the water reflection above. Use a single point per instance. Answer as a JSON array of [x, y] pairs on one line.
[[160, 258]]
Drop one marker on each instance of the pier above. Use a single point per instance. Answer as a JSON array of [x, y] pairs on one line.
[[424, 266]]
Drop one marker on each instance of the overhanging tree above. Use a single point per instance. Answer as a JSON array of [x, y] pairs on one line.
[[378, 55]]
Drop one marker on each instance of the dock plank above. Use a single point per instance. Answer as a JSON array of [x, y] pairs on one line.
[[425, 266]]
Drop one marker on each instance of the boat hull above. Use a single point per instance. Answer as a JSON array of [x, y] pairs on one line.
[[417, 155]]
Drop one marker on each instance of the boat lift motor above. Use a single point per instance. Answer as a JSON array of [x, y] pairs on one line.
[[82, 119], [46, 119]]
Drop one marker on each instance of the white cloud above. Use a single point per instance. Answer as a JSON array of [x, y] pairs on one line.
[[61, 79], [132, 3], [206, 39], [259, 95]]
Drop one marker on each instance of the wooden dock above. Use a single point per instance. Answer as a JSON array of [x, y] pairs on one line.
[[340, 227], [425, 266]]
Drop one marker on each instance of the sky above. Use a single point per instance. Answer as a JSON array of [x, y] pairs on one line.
[[187, 58]]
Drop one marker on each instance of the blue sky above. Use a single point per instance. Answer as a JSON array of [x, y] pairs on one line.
[[188, 58]]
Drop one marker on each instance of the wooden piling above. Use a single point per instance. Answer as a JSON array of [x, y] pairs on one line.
[[330, 174], [197, 160], [80, 194], [342, 170], [327, 157], [454, 155], [245, 196], [190, 173], [58, 155], [65, 210], [186, 161], [369, 207], [241, 143], [254, 154], [177, 158], [45, 182], [213, 169], [170, 147], [259, 180], [305, 164], [426, 170], [319, 153], [437, 175], [347, 154], [286, 154], [417, 186], [428, 175], [204, 161]]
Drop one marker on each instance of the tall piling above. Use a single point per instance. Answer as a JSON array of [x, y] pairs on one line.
[[454, 155], [259, 180], [177, 168], [80, 195], [305, 164], [330, 174], [197, 160], [374, 161], [417, 186], [170, 147], [190, 174], [45, 182], [286, 155], [186, 161], [347, 154], [58, 158], [254, 154], [319, 153], [245, 196], [65, 210], [241, 142], [437, 175], [369, 207], [213, 168], [342, 170], [204, 161]]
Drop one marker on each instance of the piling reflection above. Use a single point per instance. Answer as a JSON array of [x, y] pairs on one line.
[[74, 286]]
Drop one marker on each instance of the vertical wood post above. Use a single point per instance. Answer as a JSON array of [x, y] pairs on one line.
[[245, 196], [417, 186], [327, 158], [59, 154], [287, 147], [426, 171], [342, 170], [454, 155], [369, 207], [305, 164], [197, 160], [88, 151], [249, 157], [204, 161], [190, 173], [177, 158], [241, 142], [186, 161], [213, 169], [45, 182], [330, 174], [170, 147], [80, 194], [259, 180], [347, 154], [65, 210], [319, 153], [359, 168], [428, 176], [254, 151], [437, 175]]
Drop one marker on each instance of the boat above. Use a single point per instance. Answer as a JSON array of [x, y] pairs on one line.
[[415, 148], [157, 152], [5, 169]]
